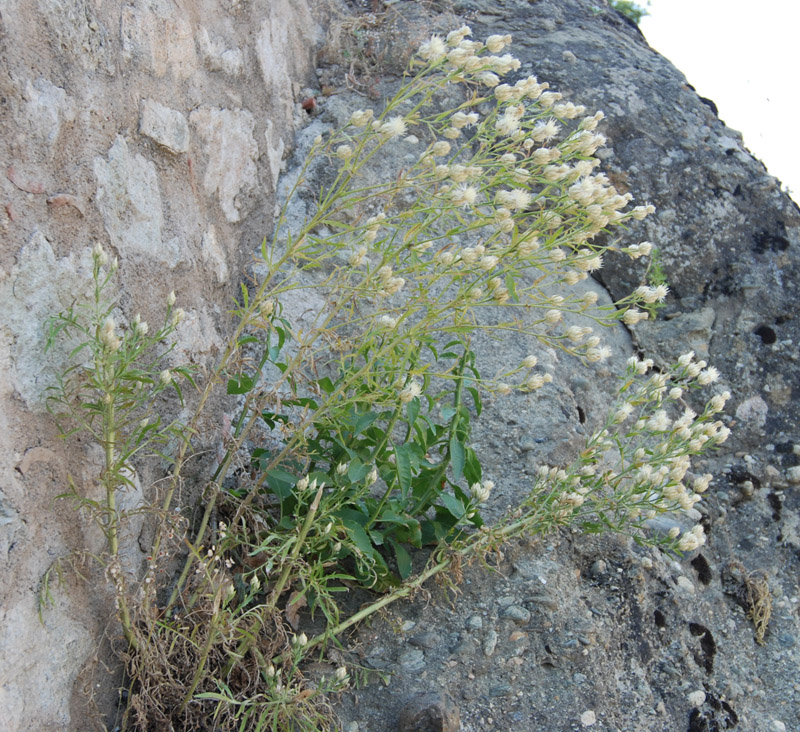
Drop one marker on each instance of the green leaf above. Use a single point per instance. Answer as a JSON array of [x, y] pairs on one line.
[[412, 411], [472, 467], [240, 384], [364, 421], [281, 482], [403, 559], [360, 537], [453, 505], [403, 455], [457, 458], [326, 385], [356, 470], [476, 398]]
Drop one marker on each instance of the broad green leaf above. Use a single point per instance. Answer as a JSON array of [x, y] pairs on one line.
[[281, 482], [412, 411], [364, 421], [360, 537], [240, 384], [453, 505], [403, 559], [472, 467], [457, 458], [403, 467]]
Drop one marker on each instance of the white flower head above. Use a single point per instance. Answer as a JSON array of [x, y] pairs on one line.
[[497, 43], [411, 390], [481, 491], [393, 127], [433, 49]]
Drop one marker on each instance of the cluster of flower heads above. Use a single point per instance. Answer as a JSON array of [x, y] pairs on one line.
[[651, 473], [510, 176]]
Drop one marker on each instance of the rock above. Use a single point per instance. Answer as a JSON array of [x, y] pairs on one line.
[[231, 154], [129, 199], [475, 622], [793, 475], [216, 57], [76, 31], [517, 613], [158, 39], [753, 410], [490, 643], [697, 698], [588, 718], [431, 712], [670, 338], [424, 640], [214, 256], [48, 108], [166, 126], [412, 660]]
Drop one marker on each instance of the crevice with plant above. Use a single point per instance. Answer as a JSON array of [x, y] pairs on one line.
[[349, 465]]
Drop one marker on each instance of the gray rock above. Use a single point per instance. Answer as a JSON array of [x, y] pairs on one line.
[[166, 126], [490, 643], [231, 153], [431, 712], [520, 615], [412, 660], [424, 640]]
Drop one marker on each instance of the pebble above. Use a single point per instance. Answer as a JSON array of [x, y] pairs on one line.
[[432, 712], [793, 475], [686, 584], [413, 660], [778, 726], [424, 640], [786, 640], [500, 690], [598, 568], [352, 727], [520, 615], [475, 623], [490, 643], [588, 718], [697, 698]]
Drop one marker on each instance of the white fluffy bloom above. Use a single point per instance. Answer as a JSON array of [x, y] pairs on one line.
[[344, 152], [361, 117], [433, 49], [393, 127], [497, 43], [708, 376], [464, 196], [552, 316], [440, 148], [411, 390], [633, 316]]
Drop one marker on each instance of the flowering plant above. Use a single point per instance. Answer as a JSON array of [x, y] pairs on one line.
[[355, 370]]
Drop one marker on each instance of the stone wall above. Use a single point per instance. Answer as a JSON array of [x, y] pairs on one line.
[[156, 127]]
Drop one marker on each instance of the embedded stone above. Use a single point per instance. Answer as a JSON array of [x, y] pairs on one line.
[[165, 126], [231, 152], [216, 57], [130, 201], [47, 109]]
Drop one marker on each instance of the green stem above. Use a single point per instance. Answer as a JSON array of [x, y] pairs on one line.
[[112, 525], [440, 473]]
